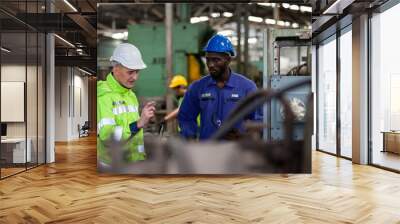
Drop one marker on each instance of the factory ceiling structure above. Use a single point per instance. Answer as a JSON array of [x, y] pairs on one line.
[[118, 16]]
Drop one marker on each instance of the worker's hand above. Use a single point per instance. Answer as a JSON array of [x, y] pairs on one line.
[[147, 113]]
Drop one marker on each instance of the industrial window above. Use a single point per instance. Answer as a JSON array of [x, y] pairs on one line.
[[385, 89], [327, 96], [346, 92]]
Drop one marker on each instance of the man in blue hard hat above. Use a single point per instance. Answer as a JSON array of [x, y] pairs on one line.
[[215, 95]]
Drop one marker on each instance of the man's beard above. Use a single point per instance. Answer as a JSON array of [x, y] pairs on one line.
[[219, 75]]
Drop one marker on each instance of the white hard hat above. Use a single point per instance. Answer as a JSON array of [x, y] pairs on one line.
[[129, 56]]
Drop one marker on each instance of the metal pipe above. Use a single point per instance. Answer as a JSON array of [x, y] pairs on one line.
[[270, 71], [246, 42], [276, 13], [168, 57], [267, 71], [239, 38]]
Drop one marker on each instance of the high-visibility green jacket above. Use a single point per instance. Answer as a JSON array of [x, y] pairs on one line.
[[117, 108]]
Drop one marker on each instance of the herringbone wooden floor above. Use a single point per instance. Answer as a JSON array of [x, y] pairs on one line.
[[71, 191]]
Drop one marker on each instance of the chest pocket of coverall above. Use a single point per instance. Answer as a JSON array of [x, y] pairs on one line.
[[233, 98], [207, 100]]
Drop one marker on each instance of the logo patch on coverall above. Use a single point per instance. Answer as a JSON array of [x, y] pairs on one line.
[[206, 96]]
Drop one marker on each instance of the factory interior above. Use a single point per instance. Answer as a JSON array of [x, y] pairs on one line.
[[326, 78]]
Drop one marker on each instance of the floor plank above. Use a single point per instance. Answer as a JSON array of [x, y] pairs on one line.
[[71, 191]]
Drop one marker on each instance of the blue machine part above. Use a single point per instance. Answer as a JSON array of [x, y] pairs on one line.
[[297, 99]]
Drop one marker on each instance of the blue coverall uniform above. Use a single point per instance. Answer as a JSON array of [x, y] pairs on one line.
[[213, 104]]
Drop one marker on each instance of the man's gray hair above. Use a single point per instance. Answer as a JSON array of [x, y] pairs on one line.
[[115, 63]]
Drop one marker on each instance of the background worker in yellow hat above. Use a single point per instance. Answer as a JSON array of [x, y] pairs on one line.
[[179, 85]]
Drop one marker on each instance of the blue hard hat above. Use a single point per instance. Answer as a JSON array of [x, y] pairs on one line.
[[219, 44]]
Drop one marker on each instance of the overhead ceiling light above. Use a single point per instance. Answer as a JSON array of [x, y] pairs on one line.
[[198, 19], [194, 20], [120, 35], [64, 40], [285, 5], [70, 5], [305, 9], [227, 14], [203, 18], [84, 71], [264, 4], [117, 36], [5, 50], [255, 19], [295, 25], [281, 23], [294, 7], [215, 14], [270, 21], [287, 23]]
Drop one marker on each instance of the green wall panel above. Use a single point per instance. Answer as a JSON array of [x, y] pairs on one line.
[[150, 39]]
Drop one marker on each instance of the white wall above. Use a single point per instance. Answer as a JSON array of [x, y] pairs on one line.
[[71, 93], [12, 73], [80, 102], [61, 103], [34, 124]]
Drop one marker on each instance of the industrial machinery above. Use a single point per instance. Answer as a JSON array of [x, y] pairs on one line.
[[289, 63]]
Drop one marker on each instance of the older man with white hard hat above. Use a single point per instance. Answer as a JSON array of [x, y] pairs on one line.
[[118, 108]]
